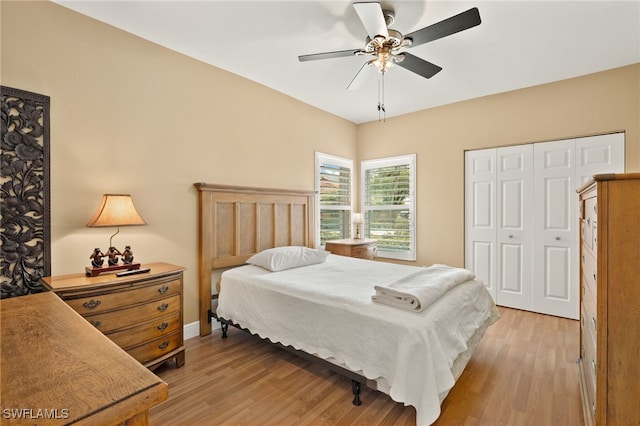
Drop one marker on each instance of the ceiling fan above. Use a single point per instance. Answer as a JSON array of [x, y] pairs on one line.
[[387, 45]]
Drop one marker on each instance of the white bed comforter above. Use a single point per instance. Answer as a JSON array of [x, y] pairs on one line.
[[326, 310]]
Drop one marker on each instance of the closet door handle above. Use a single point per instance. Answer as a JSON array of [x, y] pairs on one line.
[[557, 238]]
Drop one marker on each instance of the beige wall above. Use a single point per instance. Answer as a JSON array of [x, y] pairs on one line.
[[594, 104], [130, 116]]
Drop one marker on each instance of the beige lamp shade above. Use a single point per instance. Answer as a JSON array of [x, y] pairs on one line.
[[116, 210]]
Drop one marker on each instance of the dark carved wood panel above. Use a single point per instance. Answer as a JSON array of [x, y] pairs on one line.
[[24, 197]]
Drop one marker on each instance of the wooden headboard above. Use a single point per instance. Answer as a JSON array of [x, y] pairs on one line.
[[237, 222]]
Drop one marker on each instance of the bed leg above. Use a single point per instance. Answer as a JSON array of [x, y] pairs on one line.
[[355, 386], [224, 327]]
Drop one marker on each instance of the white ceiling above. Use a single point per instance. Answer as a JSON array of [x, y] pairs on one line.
[[519, 44]]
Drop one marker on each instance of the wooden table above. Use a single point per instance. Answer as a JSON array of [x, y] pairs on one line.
[[56, 368]]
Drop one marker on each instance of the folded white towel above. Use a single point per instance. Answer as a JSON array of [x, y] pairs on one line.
[[420, 289]]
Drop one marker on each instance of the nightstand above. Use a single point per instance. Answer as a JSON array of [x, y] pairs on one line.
[[141, 313], [362, 248]]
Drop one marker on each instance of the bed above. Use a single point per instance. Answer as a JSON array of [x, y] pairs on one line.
[[325, 309]]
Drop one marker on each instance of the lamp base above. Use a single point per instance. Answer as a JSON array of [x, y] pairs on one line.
[[93, 271]]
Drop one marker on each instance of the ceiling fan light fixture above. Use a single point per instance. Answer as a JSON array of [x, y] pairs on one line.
[[384, 59]]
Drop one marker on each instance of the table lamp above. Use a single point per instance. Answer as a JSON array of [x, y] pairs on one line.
[[357, 221], [115, 210]]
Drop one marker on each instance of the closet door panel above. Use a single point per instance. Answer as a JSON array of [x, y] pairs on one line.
[[599, 154], [514, 233], [555, 290], [480, 216]]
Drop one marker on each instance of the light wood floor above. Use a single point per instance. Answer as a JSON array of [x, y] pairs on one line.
[[523, 373]]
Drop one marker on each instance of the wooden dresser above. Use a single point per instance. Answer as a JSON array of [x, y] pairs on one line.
[[362, 248], [610, 299], [141, 313], [57, 370]]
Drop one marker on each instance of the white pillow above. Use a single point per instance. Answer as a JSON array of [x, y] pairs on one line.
[[282, 258]]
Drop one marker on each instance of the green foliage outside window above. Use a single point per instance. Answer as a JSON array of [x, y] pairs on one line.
[[388, 188]]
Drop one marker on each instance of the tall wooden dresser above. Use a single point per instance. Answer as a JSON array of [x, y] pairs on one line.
[[610, 299]]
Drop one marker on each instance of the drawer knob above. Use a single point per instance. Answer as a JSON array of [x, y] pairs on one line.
[[163, 307], [163, 345], [91, 304], [96, 324], [163, 289], [163, 326]]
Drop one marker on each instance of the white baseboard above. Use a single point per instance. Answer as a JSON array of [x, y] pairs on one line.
[[193, 329]]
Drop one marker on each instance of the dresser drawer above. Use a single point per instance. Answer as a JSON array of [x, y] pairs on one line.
[[363, 251], [144, 332], [589, 366], [101, 302], [590, 221], [589, 272], [114, 320], [589, 307], [156, 348]]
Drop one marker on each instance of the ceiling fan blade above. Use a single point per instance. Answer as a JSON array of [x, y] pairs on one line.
[[362, 76], [419, 66], [328, 55], [372, 18], [457, 23]]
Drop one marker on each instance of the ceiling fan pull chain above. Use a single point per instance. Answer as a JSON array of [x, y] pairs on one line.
[[382, 112]]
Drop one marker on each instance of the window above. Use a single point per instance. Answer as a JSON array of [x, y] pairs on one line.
[[334, 184], [388, 205]]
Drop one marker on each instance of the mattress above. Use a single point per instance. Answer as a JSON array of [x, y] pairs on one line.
[[326, 310]]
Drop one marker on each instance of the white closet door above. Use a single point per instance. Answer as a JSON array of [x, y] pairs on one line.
[[521, 213], [599, 154], [480, 227], [514, 202], [556, 288]]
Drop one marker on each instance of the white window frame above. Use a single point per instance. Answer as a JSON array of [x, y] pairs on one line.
[[410, 160], [322, 158]]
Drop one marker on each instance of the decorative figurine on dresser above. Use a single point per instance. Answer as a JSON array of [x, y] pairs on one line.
[[610, 299], [141, 313]]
